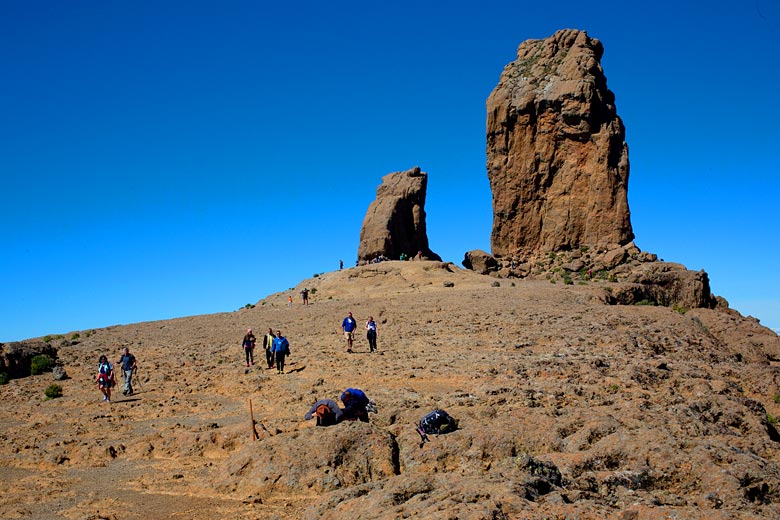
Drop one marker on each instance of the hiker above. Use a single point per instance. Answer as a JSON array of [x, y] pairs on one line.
[[326, 411], [289, 302], [355, 403], [305, 296], [341, 265], [348, 326], [105, 377], [127, 362], [281, 350], [371, 334], [268, 345], [249, 347]]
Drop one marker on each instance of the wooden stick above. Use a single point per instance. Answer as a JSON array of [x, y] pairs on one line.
[[255, 435]]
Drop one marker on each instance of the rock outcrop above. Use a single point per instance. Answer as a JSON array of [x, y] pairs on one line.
[[15, 357], [480, 262], [557, 158], [395, 222]]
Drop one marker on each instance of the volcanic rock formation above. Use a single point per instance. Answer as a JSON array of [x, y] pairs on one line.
[[395, 221], [557, 158]]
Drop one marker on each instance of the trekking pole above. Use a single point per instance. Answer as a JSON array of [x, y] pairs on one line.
[[138, 379], [255, 435]]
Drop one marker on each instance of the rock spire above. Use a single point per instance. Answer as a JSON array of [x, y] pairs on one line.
[[395, 221], [557, 159]]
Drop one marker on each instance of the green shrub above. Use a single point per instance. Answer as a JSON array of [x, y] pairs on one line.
[[316, 275], [313, 291], [771, 420], [53, 391], [47, 339], [3, 378], [75, 336], [681, 310], [777, 399], [40, 364]]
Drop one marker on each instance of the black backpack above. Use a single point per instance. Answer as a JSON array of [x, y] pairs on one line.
[[438, 421]]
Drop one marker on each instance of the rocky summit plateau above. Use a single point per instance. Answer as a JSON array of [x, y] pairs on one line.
[[589, 379], [568, 407]]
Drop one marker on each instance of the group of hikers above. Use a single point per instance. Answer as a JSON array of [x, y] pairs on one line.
[[105, 375], [276, 347]]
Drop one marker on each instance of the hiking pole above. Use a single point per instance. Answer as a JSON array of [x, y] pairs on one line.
[[138, 379]]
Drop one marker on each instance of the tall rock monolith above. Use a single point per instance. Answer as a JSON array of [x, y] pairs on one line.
[[395, 221], [557, 158]]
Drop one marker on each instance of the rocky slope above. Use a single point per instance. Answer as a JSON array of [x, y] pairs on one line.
[[557, 158], [568, 408]]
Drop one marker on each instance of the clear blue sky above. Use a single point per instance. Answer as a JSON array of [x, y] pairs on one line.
[[168, 158]]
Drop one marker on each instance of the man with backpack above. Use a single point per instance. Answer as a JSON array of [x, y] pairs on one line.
[[127, 362], [281, 349]]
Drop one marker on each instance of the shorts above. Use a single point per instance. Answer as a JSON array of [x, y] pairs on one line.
[[349, 334]]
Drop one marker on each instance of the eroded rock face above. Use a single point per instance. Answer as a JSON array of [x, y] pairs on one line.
[[15, 357], [557, 158], [395, 221]]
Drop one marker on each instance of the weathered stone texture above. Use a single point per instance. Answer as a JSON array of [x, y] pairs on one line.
[[395, 221], [557, 158]]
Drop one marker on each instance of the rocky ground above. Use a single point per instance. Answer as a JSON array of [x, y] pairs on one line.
[[568, 408]]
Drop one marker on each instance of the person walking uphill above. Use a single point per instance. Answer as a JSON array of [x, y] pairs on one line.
[[281, 351], [249, 347], [105, 377], [268, 345], [348, 326], [127, 362], [371, 334]]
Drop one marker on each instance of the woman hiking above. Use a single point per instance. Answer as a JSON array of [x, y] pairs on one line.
[[105, 377], [249, 347]]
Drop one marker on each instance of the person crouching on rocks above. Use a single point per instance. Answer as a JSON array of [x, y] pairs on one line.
[[105, 377], [326, 411], [249, 347], [355, 405], [127, 362], [281, 351]]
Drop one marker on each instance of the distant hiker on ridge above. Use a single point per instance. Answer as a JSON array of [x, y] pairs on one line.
[[105, 377], [289, 301], [268, 345], [305, 296], [348, 326], [281, 350], [249, 347], [371, 334], [326, 411], [127, 362]]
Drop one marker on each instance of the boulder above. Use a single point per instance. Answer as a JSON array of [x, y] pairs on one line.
[[480, 261], [557, 159], [395, 221], [665, 283], [15, 357]]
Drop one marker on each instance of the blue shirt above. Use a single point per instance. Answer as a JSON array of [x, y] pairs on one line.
[[349, 324], [281, 345]]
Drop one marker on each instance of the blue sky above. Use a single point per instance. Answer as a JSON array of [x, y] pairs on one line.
[[165, 159]]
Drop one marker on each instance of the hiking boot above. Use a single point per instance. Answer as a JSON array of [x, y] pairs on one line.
[[124, 392]]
